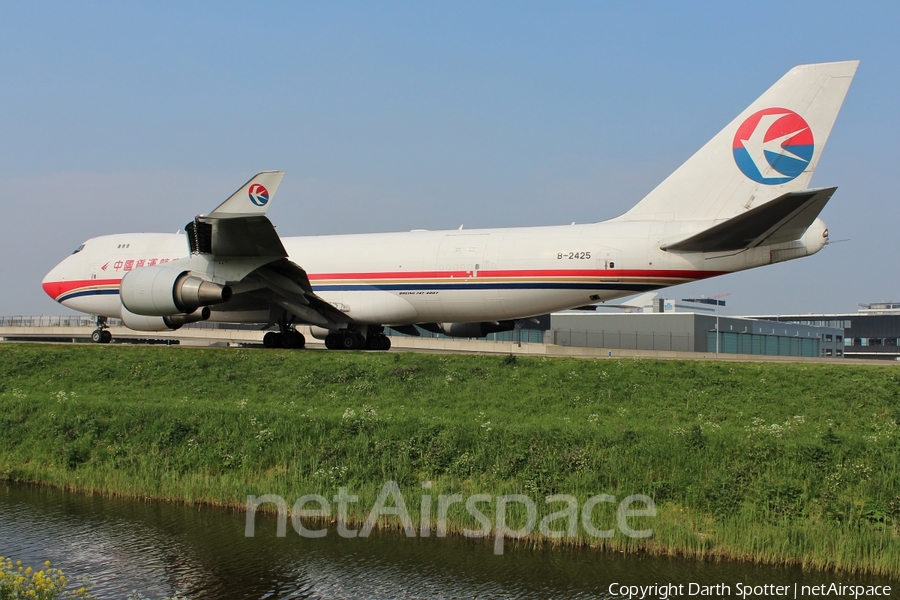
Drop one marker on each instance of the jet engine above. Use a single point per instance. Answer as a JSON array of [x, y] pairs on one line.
[[469, 329], [164, 291], [320, 333], [170, 322]]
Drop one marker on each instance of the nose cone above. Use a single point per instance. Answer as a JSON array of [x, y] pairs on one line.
[[54, 283]]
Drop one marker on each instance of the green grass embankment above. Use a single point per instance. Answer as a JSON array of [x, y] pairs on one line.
[[775, 463]]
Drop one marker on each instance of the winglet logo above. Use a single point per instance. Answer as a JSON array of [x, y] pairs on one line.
[[259, 195], [773, 146]]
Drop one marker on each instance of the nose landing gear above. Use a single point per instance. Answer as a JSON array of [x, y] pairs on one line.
[[101, 335]]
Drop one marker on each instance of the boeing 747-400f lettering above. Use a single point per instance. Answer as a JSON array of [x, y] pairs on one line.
[[741, 201]]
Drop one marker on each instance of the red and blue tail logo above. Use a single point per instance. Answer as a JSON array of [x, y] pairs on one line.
[[773, 146], [259, 195]]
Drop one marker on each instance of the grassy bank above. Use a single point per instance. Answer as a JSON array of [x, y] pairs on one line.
[[775, 463]]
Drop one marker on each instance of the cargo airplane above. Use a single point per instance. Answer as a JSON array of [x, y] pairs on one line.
[[741, 201]]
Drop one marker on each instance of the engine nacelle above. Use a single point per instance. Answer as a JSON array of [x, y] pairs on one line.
[[167, 323], [473, 329], [320, 333], [164, 291]]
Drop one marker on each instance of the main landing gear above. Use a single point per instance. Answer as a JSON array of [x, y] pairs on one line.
[[352, 340], [101, 335], [287, 338], [345, 339]]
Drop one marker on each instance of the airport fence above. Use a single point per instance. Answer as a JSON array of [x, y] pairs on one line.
[[625, 340], [51, 321]]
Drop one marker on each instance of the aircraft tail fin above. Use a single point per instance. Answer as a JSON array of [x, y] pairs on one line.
[[769, 150], [252, 199]]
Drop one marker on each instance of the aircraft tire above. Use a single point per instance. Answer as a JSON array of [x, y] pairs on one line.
[[378, 342], [299, 340], [97, 336], [105, 337], [349, 342], [333, 341], [272, 340]]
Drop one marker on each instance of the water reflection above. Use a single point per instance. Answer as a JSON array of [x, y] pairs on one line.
[[163, 549]]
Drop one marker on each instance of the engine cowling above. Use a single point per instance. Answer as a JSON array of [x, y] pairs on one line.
[[164, 291], [470, 329], [320, 333], [167, 323]]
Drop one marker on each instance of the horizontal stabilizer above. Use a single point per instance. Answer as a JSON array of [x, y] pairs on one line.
[[783, 219]]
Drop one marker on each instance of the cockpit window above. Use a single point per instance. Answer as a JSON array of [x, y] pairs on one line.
[[78, 249]]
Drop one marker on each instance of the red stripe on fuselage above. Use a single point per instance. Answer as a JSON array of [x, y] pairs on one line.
[[55, 289], [602, 273]]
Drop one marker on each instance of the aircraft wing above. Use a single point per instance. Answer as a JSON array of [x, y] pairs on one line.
[[288, 286], [239, 234], [784, 219], [239, 227]]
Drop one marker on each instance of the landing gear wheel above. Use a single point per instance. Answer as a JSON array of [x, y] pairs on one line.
[[287, 340], [377, 341], [332, 341], [299, 340], [272, 339], [101, 336], [349, 342], [292, 339]]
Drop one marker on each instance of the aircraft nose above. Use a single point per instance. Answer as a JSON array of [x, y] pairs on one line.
[[52, 283]]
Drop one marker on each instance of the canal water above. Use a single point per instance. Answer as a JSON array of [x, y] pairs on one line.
[[162, 549]]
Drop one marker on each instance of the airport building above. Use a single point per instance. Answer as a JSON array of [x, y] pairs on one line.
[[871, 332], [693, 332]]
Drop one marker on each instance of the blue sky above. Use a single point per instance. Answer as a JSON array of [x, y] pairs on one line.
[[392, 116]]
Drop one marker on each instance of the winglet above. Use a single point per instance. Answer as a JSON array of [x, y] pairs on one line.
[[253, 198]]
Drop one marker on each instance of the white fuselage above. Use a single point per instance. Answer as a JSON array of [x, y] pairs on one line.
[[442, 276]]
